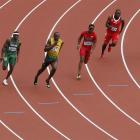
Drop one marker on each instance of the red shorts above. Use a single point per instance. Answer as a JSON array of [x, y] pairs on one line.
[[111, 36], [85, 52]]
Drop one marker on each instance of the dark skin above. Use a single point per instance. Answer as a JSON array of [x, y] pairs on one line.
[[53, 64], [116, 16], [6, 44], [82, 58]]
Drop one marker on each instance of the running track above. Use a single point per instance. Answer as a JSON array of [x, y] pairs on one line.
[[109, 73]]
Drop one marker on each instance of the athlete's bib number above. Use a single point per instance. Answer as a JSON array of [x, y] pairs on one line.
[[114, 29], [88, 43], [55, 49], [12, 49]]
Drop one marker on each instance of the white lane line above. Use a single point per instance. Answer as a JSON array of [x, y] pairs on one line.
[[14, 113], [48, 103], [122, 49], [2, 6], [10, 130], [18, 91], [117, 85], [5, 4], [102, 92], [59, 90]]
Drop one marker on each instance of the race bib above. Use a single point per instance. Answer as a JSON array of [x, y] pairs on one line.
[[55, 49], [88, 43], [114, 29], [12, 49]]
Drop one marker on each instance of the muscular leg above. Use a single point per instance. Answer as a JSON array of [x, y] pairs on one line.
[[115, 38], [10, 71], [106, 41], [113, 44], [103, 49], [8, 74], [82, 58], [43, 67], [53, 70]]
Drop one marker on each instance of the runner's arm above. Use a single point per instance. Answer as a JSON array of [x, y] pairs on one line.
[[94, 43], [48, 46], [61, 45], [4, 47], [18, 50], [79, 40], [108, 22]]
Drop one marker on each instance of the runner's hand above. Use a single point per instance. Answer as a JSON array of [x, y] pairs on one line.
[[78, 46]]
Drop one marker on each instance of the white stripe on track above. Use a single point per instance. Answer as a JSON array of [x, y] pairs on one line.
[[10, 130], [2, 6], [96, 84], [5, 4], [59, 90], [18, 91], [122, 50]]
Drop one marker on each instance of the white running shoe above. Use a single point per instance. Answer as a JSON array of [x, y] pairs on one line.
[[78, 77], [5, 83]]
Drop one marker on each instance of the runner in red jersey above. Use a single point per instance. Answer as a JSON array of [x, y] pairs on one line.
[[114, 25], [89, 40]]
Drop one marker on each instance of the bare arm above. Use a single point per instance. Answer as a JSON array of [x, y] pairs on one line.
[[79, 41], [4, 47], [61, 45], [94, 43], [107, 22], [48, 46], [18, 50]]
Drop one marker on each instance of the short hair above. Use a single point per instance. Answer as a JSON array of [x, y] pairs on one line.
[[56, 34], [91, 24], [118, 10]]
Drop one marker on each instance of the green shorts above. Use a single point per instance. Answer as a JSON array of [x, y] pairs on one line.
[[50, 59], [9, 59]]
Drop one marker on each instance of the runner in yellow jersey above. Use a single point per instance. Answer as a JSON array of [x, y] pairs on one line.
[[52, 48]]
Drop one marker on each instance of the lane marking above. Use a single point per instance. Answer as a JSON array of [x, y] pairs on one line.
[[122, 49], [48, 103], [10, 130], [59, 90], [14, 113], [102, 92], [117, 85], [5, 4], [2, 6], [18, 91]]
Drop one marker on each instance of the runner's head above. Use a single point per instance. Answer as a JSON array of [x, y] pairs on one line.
[[56, 36], [117, 14], [91, 28], [15, 35]]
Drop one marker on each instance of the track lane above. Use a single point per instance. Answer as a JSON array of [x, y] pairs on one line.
[[130, 55], [120, 77], [27, 92], [9, 100], [4, 3], [62, 83], [10, 130]]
